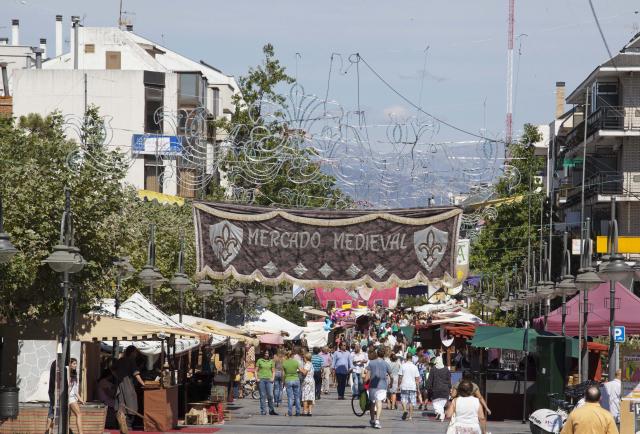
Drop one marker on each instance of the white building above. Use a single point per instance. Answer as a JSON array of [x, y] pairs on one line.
[[159, 104]]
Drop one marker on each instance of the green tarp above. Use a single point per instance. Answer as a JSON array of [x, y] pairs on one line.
[[506, 338], [408, 331], [510, 338]]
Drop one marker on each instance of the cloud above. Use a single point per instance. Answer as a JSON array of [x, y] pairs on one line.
[[396, 112], [418, 76]]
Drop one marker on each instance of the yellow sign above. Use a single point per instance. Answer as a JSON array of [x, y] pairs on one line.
[[625, 244]]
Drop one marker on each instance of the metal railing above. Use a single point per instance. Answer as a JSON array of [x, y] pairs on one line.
[[605, 182], [605, 118]]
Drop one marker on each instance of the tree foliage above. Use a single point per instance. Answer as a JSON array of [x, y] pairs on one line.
[[502, 245]]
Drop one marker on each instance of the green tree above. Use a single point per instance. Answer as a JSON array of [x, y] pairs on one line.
[[502, 245], [292, 168], [37, 162]]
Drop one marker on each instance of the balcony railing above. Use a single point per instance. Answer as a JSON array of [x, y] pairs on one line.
[[601, 183], [605, 118]]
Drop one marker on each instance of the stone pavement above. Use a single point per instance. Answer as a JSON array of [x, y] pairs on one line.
[[331, 416]]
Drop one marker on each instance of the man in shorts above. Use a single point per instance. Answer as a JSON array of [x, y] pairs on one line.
[[376, 374], [409, 379]]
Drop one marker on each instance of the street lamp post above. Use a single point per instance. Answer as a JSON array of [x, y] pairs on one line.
[[205, 289], [124, 270], [7, 250], [567, 285], [613, 269], [65, 259], [180, 282], [150, 275], [586, 281]]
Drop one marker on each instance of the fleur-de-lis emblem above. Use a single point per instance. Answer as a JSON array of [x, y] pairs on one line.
[[430, 245], [226, 240]]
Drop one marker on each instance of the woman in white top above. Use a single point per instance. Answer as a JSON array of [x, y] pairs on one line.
[[466, 412], [74, 397]]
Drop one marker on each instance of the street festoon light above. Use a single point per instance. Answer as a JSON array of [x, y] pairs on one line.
[[587, 279], [545, 288], [263, 301], [238, 295], [125, 269]]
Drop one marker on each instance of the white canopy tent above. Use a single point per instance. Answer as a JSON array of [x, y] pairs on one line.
[[235, 335], [269, 322], [139, 308], [315, 334]]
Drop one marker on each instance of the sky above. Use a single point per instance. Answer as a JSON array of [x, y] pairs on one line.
[[462, 43]]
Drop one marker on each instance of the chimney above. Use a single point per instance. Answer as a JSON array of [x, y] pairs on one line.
[[38, 52], [58, 35], [559, 99], [4, 41], [43, 47], [129, 27], [15, 32], [75, 24]]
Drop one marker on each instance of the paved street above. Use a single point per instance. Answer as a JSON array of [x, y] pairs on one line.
[[333, 416]]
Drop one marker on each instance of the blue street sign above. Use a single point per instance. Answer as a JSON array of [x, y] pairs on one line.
[[618, 334]]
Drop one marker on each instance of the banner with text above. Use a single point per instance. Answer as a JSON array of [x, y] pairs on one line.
[[329, 248]]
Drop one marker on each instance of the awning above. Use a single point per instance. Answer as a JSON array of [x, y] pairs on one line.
[[315, 312], [91, 328], [271, 339], [219, 331], [506, 338]]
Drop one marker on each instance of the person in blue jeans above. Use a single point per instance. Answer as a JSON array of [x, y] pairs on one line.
[[290, 369], [266, 374], [278, 382]]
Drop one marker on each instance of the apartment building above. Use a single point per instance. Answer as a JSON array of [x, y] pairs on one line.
[[159, 104], [605, 109]]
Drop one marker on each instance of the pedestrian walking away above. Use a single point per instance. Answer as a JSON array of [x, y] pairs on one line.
[[611, 394], [438, 387], [341, 366], [317, 361], [266, 375], [590, 418], [377, 375], [326, 370], [290, 370], [278, 380], [409, 379], [465, 412]]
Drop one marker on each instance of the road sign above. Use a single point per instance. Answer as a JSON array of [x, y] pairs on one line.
[[618, 334]]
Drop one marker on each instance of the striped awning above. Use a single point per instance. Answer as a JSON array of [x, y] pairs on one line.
[[92, 328]]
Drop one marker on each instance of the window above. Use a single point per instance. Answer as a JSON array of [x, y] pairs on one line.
[[153, 102], [89, 48], [153, 174], [189, 90], [216, 101], [331, 304], [603, 94], [113, 59]]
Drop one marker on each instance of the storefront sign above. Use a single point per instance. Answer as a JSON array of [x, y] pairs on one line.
[[337, 248]]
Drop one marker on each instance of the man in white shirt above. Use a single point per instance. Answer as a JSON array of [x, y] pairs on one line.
[[409, 379], [611, 396], [359, 361]]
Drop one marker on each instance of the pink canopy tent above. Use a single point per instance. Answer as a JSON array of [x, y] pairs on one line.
[[627, 308]]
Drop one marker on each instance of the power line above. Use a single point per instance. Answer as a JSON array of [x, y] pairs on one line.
[[415, 106]]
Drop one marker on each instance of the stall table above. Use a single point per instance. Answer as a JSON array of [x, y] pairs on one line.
[[160, 408]]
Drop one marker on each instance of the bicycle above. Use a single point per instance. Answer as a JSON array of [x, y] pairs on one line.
[[250, 388], [360, 403]]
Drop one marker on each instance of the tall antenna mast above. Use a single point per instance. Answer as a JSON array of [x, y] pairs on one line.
[[509, 120], [120, 16]]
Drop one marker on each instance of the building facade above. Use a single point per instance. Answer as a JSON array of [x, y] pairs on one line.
[[604, 118], [159, 106]]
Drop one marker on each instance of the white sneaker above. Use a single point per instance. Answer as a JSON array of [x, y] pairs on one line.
[[377, 424]]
